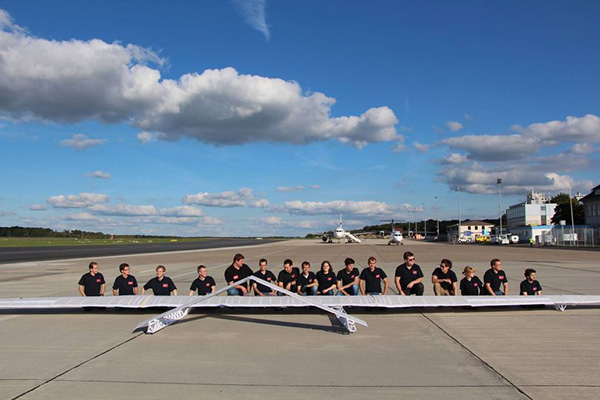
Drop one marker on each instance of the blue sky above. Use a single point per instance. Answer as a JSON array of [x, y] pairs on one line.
[[273, 117]]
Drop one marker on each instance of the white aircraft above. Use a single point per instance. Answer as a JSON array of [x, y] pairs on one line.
[[395, 236], [340, 234]]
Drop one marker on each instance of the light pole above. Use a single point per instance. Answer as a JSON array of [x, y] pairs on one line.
[[499, 182], [459, 222], [437, 218], [424, 222], [572, 219]]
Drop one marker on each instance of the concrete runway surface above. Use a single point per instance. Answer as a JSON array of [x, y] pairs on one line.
[[508, 353]]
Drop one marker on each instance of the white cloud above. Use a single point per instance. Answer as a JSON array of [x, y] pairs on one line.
[[7, 23], [454, 158], [254, 12], [221, 199], [99, 174], [399, 146], [146, 137], [75, 80], [210, 221], [494, 147], [123, 209], [423, 148], [262, 203], [582, 148], [336, 207], [181, 211], [81, 217], [454, 126], [573, 129], [38, 207], [80, 142], [290, 188], [315, 187], [81, 200]]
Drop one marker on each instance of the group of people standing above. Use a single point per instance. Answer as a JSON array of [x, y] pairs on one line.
[[349, 281]]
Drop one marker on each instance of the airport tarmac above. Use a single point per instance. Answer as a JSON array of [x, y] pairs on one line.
[[508, 353]]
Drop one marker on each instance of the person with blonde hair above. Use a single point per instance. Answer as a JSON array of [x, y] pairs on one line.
[[470, 285]]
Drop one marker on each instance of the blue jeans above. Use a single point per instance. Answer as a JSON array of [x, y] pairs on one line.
[[499, 293], [234, 292], [373, 294], [352, 291], [330, 293], [308, 291]]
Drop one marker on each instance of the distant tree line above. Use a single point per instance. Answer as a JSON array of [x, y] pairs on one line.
[[19, 231]]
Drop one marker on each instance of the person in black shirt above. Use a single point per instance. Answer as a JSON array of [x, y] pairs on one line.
[[494, 278], [265, 275], [125, 284], [409, 277], [307, 282], [530, 287], [444, 279], [470, 285], [204, 284], [371, 277], [235, 272], [92, 283], [288, 276], [161, 285], [347, 279], [326, 279]]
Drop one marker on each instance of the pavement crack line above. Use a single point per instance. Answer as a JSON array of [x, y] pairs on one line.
[[476, 356], [77, 366]]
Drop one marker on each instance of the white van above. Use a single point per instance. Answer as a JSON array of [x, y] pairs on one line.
[[503, 239]]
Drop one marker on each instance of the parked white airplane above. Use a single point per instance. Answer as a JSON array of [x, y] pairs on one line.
[[340, 234], [395, 236]]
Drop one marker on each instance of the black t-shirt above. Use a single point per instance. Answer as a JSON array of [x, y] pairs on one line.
[[346, 277], [164, 287], [373, 279], [267, 276], [125, 285], [203, 287], [232, 274], [408, 275], [287, 277], [494, 279], [474, 287], [91, 284], [325, 280], [304, 281], [530, 288], [449, 275]]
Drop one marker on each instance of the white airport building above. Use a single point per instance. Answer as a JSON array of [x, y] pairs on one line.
[[535, 211]]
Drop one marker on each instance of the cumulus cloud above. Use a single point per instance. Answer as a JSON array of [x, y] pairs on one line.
[[221, 199], [454, 158], [573, 129], [123, 209], [254, 12], [262, 203], [81, 200], [76, 80], [38, 207], [80, 142], [494, 147], [336, 207], [99, 174], [423, 148], [181, 211], [454, 126], [81, 217], [582, 148]]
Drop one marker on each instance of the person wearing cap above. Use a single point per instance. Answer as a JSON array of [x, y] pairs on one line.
[[92, 283], [409, 277], [203, 284], [471, 285], [125, 284], [445, 282], [347, 279]]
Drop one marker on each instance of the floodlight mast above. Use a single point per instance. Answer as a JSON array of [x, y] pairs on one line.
[[499, 182]]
